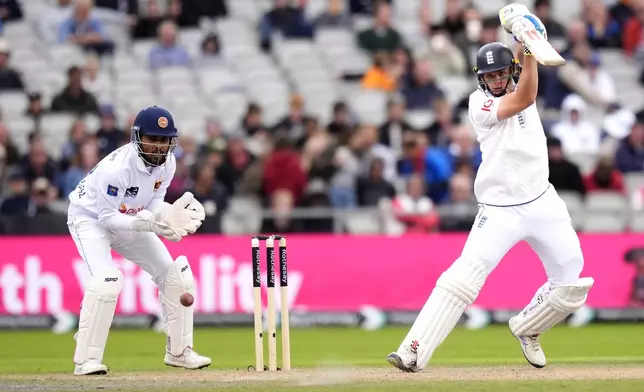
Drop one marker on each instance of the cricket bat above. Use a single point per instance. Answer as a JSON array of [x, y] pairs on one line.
[[538, 45]]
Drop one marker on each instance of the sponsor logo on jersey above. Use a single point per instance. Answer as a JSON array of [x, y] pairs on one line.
[[129, 211], [112, 190], [157, 185], [132, 191]]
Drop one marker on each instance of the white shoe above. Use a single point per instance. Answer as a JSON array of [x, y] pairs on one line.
[[89, 368], [405, 359], [531, 348], [188, 360]]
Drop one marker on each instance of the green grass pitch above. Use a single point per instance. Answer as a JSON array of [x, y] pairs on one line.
[[593, 358]]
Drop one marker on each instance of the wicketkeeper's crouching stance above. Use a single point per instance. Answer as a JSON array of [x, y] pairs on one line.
[[516, 203], [119, 205]]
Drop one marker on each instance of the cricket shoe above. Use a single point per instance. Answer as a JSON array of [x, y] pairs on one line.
[[90, 368], [531, 348], [188, 360], [405, 359]]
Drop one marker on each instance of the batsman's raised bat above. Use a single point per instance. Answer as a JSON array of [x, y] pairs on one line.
[[538, 45]]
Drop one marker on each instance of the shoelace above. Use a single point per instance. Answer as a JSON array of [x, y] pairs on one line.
[[533, 342]]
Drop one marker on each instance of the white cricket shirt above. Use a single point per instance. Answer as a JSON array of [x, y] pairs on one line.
[[120, 186], [515, 156]]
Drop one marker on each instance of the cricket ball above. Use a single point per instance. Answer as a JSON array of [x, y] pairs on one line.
[[187, 299]]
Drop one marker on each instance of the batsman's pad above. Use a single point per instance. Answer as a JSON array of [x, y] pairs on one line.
[[96, 315], [457, 288], [550, 308], [178, 319]]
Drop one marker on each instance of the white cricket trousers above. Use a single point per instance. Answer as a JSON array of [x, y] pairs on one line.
[[543, 223], [95, 244]]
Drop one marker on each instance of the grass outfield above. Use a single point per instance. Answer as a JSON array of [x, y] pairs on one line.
[[592, 358]]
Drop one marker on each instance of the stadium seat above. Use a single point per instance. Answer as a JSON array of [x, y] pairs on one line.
[[604, 222], [606, 201], [363, 221]]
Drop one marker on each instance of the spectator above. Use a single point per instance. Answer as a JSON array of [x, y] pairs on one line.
[[292, 126], [463, 148], [633, 36], [210, 193], [414, 209], [42, 195], [193, 11], [211, 54], [418, 157], [420, 90], [10, 79], [382, 75], [290, 21], [253, 123], [391, 132], [215, 140], [129, 8], [597, 81], [605, 177], [11, 154], [74, 98], [365, 7], [461, 208], [334, 16], [236, 160], [542, 9], [373, 187], [577, 134], [340, 122], [78, 136], [37, 162], [454, 21], [445, 119], [94, 80], [283, 171], [318, 151], [10, 10], [85, 30], [342, 191], [602, 30], [149, 20], [622, 10], [630, 154], [372, 148], [109, 136], [382, 37], [16, 201], [447, 58], [564, 175], [282, 204], [35, 106], [85, 159], [168, 53]]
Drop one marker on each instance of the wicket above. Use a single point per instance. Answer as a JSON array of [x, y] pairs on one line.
[[271, 312]]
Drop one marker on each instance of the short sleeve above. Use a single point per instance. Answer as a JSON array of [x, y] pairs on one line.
[[483, 110]]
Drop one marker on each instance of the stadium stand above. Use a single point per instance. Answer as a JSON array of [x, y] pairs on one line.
[[345, 116]]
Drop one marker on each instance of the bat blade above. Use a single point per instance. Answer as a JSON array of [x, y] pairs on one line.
[[541, 49]]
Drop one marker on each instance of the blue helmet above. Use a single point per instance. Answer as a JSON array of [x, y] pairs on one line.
[[157, 123]]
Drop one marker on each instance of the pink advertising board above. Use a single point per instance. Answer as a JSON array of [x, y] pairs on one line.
[[44, 275]]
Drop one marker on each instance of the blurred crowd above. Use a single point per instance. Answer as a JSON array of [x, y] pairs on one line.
[[302, 161]]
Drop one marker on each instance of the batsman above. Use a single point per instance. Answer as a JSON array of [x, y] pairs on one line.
[[120, 205], [516, 203]]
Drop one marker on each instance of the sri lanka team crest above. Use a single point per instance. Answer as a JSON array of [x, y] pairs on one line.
[[163, 122], [157, 185], [129, 211]]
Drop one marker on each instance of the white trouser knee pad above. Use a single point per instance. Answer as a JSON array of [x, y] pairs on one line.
[[551, 307], [456, 289], [178, 319], [96, 315]]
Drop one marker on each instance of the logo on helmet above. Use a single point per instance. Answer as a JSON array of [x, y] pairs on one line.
[[163, 122]]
